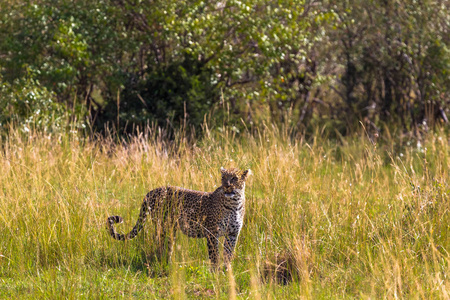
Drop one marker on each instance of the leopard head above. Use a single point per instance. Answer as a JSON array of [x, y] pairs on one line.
[[233, 181]]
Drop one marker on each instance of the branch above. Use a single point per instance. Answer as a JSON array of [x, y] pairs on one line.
[[339, 93]]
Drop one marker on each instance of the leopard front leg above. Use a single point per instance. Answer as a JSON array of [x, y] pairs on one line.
[[213, 250], [228, 246]]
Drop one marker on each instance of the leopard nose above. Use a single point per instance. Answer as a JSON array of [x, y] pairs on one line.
[[228, 182]]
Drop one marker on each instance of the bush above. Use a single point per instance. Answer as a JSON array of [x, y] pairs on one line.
[[169, 96], [28, 104]]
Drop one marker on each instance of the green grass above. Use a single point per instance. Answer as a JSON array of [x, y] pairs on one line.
[[351, 220]]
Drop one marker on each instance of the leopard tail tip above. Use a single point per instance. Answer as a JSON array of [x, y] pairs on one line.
[[115, 220]]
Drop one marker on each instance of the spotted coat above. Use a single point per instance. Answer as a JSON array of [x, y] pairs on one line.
[[198, 214]]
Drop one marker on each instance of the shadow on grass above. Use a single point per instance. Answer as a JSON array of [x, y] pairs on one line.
[[154, 262]]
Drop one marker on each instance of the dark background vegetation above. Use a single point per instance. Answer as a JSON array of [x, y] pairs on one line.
[[124, 64]]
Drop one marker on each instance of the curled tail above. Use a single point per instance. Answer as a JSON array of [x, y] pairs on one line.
[[138, 227]]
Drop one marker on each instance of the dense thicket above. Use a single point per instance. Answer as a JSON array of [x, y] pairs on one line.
[[127, 63]]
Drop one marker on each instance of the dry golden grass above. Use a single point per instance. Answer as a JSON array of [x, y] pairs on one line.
[[349, 220]]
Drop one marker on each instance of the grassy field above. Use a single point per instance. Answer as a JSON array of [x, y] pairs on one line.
[[323, 220]]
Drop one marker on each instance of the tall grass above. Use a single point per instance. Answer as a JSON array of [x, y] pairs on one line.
[[323, 220]]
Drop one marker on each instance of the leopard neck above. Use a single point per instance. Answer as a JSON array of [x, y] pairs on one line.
[[237, 201]]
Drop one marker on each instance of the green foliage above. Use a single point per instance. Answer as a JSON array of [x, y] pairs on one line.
[[29, 105], [178, 94], [299, 63], [59, 46], [394, 61]]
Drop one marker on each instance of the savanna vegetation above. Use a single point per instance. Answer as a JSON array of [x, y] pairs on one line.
[[323, 219], [340, 108], [102, 65]]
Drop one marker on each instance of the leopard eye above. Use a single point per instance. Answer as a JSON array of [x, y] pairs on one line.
[[234, 179]]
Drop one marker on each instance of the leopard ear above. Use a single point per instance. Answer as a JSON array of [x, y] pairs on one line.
[[246, 173], [222, 170]]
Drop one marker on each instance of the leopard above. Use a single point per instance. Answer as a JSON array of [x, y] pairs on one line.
[[197, 214]]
